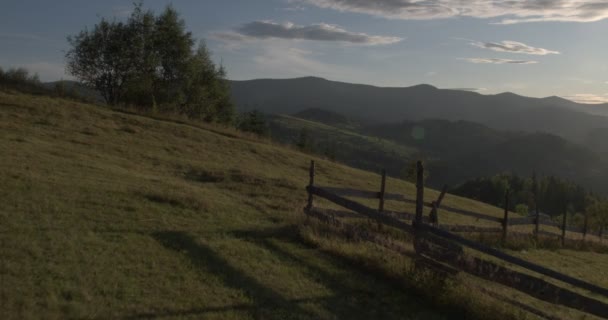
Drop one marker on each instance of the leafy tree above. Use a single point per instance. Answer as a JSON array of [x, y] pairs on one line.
[[597, 211], [151, 62], [254, 122], [102, 59], [305, 141], [21, 79], [410, 172], [553, 195], [522, 209]]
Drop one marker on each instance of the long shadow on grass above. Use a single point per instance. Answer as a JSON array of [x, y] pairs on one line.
[[358, 293], [289, 234], [268, 304], [270, 239], [248, 308]]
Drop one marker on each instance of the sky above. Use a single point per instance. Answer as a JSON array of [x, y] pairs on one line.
[[535, 48]]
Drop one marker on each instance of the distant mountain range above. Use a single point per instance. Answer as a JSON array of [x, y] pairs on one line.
[[373, 105], [454, 151], [75, 87]]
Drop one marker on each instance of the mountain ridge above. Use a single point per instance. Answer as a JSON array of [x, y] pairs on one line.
[[505, 111]]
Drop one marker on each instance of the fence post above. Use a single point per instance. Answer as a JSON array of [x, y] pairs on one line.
[[311, 183], [537, 217], [505, 221], [434, 216], [382, 189], [564, 228], [419, 192]]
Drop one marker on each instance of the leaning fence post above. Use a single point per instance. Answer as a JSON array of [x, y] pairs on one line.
[[564, 228], [434, 216], [505, 221], [382, 189], [419, 192], [311, 183]]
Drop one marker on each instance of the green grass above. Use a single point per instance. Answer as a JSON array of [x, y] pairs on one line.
[[106, 214], [344, 144]]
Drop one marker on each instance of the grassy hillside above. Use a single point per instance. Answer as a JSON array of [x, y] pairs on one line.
[[343, 144], [106, 214], [454, 151]]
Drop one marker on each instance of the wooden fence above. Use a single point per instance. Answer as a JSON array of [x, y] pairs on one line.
[[503, 223], [444, 249]]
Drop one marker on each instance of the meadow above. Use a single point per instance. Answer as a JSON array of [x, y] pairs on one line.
[[111, 214]]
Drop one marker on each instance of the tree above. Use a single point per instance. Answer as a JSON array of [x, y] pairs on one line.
[[151, 61], [254, 122], [522, 209], [304, 142], [102, 59], [597, 211], [410, 172]]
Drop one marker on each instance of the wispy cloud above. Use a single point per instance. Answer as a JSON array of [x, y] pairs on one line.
[[470, 89], [508, 12], [279, 59], [20, 36], [498, 61], [316, 32], [294, 8], [579, 80], [513, 47], [31, 38], [122, 11], [587, 98]]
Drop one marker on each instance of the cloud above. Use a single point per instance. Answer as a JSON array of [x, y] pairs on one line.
[[279, 59], [498, 61], [512, 11], [20, 36], [513, 47], [469, 89], [316, 32], [579, 80], [122, 11], [294, 8], [587, 98]]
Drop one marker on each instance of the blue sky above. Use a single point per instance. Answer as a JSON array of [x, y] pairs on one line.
[[530, 47]]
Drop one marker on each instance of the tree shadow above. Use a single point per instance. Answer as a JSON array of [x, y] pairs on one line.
[[252, 309], [267, 303], [419, 301], [360, 293]]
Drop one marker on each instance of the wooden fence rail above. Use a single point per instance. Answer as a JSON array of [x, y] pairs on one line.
[[382, 196], [439, 244]]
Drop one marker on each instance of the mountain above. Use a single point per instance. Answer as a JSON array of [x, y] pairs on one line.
[[438, 138], [505, 111], [454, 151], [341, 143], [75, 87], [326, 117]]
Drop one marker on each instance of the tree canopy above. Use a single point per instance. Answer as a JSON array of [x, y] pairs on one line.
[[152, 62]]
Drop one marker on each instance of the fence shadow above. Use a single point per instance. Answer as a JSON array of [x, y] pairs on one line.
[[267, 303], [378, 286], [354, 292]]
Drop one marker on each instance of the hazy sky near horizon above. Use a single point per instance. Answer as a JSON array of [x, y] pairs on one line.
[[530, 47]]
